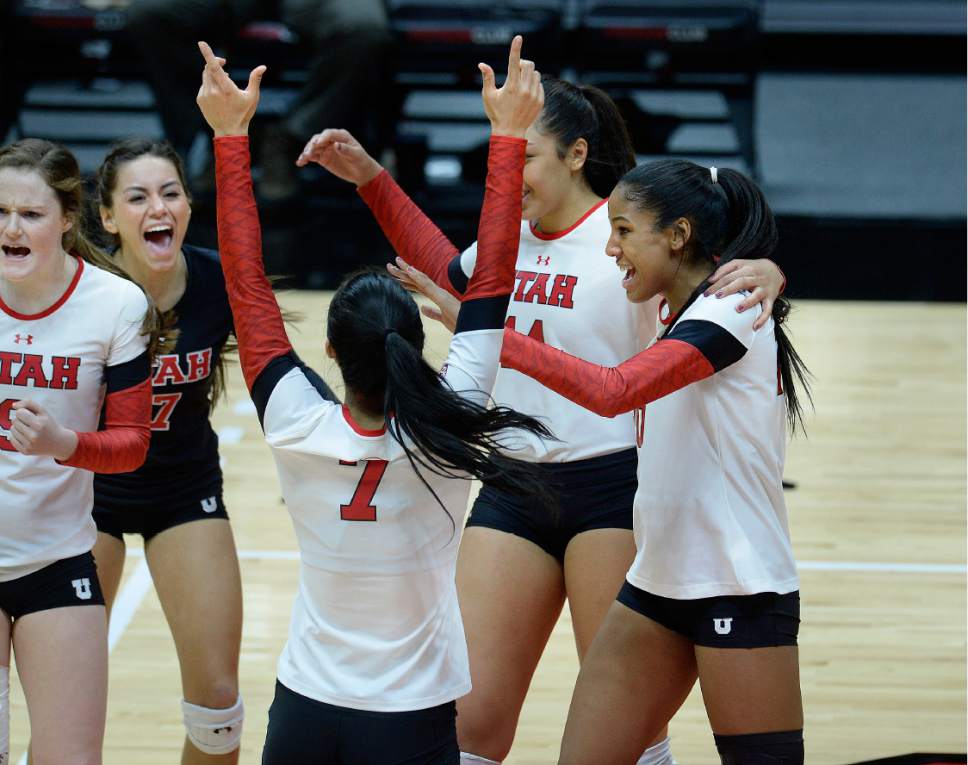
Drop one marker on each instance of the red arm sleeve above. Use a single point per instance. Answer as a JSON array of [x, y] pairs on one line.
[[123, 444], [412, 234], [658, 371], [258, 321], [499, 231]]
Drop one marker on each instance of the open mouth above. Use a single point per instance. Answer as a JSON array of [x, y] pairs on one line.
[[159, 237], [15, 252], [629, 273]]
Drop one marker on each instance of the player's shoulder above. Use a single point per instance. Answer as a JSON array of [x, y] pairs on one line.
[[721, 310], [108, 287]]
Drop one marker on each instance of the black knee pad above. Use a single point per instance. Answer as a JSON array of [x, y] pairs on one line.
[[783, 748]]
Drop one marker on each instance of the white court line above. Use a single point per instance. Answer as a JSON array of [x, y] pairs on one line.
[[803, 565], [898, 568], [127, 602]]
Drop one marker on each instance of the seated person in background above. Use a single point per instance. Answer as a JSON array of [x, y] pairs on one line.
[[347, 38]]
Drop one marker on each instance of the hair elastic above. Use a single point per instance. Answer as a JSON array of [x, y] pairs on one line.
[[714, 174], [387, 332]]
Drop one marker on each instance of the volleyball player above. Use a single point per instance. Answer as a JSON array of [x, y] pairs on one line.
[[376, 653], [518, 566], [713, 591], [174, 500], [70, 334]]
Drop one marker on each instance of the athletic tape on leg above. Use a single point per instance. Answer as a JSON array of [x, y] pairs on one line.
[[214, 731]]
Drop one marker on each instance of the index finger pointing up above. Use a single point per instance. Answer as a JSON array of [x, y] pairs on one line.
[[514, 60], [207, 53]]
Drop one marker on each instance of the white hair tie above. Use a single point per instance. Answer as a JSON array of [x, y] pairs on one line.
[[714, 174]]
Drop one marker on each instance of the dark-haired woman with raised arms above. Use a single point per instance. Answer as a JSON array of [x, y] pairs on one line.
[[174, 500], [377, 486], [713, 591], [518, 565], [75, 399]]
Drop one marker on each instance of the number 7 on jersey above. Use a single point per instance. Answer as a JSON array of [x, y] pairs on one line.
[[361, 507]]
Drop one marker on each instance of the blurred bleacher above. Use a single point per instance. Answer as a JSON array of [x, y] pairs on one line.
[[851, 113]]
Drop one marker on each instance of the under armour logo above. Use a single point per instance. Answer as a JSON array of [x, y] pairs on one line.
[[27, 339], [723, 626], [544, 260], [82, 588], [210, 505]]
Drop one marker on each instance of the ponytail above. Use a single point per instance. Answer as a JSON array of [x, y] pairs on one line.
[[571, 112], [730, 218], [375, 329]]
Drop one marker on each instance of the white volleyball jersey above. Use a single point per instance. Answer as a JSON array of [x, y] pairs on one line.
[[58, 358], [569, 294], [710, 517], [375, 624]]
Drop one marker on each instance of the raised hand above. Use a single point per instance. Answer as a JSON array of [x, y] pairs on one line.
[[35, 432], [416, 281], [226, 109], [516, 104], [340, 153]]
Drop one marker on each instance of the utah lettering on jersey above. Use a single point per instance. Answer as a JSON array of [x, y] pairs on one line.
[[545, 289], [169, 370], [34, 370]]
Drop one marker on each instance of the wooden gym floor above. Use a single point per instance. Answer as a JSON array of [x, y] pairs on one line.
[[878, 522]]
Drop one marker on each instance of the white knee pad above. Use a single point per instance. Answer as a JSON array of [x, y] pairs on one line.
[[4, 715], [214, 731], [473, 759]]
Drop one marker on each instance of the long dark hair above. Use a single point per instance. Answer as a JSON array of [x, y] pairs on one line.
[[729, 218], [121, 153], [59, 169], [583, 111], [375, 330]]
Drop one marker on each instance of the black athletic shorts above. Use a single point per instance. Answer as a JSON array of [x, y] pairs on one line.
[[763, 620], [67, 582], [304, 731], [152, 519], [596, 493]]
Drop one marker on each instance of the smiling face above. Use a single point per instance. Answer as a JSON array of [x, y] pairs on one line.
[[650, 258], [149, 212], [32, 226]]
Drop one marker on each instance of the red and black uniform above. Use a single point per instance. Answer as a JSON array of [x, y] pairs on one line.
[[180, 481]]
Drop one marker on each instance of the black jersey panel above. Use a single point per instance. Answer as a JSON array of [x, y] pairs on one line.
[[183, 454], [714, 341], [128, 374], [455, 273], [482, 313]]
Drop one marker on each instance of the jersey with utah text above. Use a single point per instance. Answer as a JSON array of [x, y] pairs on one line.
[[569, 295], [58, 359], [183, 455]]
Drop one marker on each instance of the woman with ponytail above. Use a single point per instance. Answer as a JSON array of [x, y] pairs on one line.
[[376, 485], [578, 149], [73, 351], [712, 397], [174, 500]]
